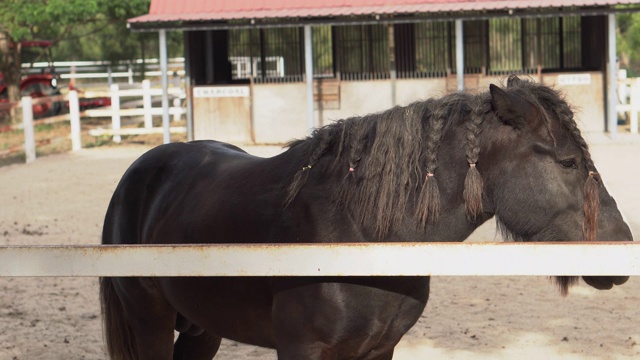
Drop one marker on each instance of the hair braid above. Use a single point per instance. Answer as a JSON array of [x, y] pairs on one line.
[[428, 207], [473, 183], [322, 140], [590, 189]]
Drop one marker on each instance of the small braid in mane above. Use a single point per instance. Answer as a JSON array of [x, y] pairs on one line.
[[473, 182], [562, 110], [590, 190], [322, 140], [429, 198]]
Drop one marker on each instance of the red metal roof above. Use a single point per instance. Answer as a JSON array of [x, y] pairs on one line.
[[221, 10]]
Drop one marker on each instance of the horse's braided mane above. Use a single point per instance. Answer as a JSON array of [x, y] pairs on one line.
[[390, 155]]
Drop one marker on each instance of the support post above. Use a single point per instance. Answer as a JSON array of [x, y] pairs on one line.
[[115, 112], [74, 116], [634, 102], [146, 104], [612, 76], [188, 85], [308, 68], [165, 84], [460, 55], [29, 133]]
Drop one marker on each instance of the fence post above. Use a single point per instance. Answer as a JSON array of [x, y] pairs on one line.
[[176, 109], [130, 73], [634, 100], [74, 115], [115, 112], [146, 103], [29, 134]]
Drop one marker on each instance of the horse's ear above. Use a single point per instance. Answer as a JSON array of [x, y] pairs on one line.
[[511, 108], [513, 80]]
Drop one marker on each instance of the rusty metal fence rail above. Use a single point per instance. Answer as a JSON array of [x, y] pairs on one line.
[[371, 259]]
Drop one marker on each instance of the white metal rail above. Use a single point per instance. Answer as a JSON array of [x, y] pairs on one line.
[[371, 259]]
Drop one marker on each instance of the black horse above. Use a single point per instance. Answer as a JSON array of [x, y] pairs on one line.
[[430, 171]]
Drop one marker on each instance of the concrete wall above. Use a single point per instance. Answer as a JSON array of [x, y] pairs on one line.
[[280, 113], [588, 100]]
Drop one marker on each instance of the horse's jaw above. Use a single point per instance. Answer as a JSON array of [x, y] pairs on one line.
[[605, 282]]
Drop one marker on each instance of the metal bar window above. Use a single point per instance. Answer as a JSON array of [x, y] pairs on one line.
[[505, 46], [432, 49], [572, 41], [322, 40], [363, 52]]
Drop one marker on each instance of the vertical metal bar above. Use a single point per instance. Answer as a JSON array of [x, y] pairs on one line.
[[187, 85], [208, 56], [29, 133], [165, 84], [392, 63], [561, 40], [308, 69], [115, 112], [612, 76], [74, 115], [459, 55]]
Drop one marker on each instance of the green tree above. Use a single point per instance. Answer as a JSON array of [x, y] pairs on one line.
[[629, 42], [57, 20]]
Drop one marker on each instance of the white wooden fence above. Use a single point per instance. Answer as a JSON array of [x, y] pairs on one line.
[[629, 98], [146, 92], [372, 259]]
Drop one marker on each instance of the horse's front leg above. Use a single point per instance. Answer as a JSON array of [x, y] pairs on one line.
[[342, 319]]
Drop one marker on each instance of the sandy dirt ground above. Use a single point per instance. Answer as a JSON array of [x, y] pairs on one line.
[[61, 199]]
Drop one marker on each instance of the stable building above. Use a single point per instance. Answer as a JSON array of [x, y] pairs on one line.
[[266, 72]]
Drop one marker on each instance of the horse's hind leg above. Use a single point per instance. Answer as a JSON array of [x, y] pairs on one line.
[[196, 347], [150, 320]]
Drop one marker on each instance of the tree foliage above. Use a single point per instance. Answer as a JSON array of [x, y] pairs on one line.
[[79, 29], [628, 42]]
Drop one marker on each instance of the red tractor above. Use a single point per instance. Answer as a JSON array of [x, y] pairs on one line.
[[37, 85]]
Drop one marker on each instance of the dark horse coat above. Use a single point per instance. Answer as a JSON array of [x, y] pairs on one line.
[[430, 171]]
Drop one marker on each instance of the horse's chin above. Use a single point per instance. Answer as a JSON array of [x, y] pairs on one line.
[[598, 282], [605, 282]]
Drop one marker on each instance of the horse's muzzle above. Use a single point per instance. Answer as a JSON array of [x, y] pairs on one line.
[[605, 282]]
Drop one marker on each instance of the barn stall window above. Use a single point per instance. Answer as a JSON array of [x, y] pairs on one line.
[[322, 41], [505, 46], [475, 47], [270, 55], [362, 52], [552, 44], [425, 53]]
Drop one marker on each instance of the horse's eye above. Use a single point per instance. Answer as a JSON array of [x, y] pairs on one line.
[[568, 163]]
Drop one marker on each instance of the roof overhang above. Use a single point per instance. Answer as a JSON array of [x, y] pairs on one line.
[[203, 15]]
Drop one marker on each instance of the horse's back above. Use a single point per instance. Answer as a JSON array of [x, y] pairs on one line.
[[165, 177]]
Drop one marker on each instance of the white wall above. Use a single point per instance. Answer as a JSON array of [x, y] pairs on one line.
[[280, 113]]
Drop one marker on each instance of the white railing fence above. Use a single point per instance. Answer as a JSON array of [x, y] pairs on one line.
[[101, 70], [629, 101], [361, 259], [144, 92]]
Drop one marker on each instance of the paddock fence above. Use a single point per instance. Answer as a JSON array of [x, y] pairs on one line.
[[139, 103], [349, 259]]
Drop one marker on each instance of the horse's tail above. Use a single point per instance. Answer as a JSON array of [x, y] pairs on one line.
[[118, 333]]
